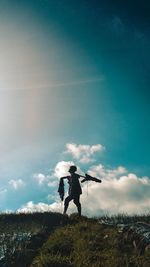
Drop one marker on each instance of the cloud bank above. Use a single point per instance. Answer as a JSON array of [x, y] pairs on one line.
[[120, 191], [39, 207], [61, 168], [117, 194], [83, 153]]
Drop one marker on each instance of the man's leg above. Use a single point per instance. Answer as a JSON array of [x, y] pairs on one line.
[[66, 204], [76, 201]]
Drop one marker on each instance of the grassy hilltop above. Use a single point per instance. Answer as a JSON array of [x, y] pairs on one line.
[[52, 240]]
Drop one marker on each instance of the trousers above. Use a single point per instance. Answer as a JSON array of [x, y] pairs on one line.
[[76, 200]]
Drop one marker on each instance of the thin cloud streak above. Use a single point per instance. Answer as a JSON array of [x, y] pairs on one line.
[[78, 82], [57, 84]]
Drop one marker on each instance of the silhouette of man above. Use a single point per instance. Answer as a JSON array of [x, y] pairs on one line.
[[74, 189]]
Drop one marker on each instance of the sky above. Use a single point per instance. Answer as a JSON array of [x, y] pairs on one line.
[[74, 89]]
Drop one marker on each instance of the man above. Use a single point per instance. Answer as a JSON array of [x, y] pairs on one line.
[[74, 188]]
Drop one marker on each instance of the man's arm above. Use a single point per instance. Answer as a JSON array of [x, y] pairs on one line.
[[65, 177]]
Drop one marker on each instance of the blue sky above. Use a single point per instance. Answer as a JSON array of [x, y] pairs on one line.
[[72, 72]]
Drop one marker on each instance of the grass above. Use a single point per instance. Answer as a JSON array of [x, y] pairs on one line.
[[31, 222], [126, 219], [21, 235], [60, 241], [89, 244]]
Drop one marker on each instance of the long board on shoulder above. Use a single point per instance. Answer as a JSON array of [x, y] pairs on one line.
[[90, 178]]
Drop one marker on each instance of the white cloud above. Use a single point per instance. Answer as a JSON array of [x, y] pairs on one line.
[[62, 168], [52, 183], [83, 153], [119, 192], [40, 207], [43, 179], [125, 194], [16, 184], [40, 178], [101, 172]]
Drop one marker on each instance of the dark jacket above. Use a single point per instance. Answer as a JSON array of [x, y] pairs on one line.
[[74, 185]]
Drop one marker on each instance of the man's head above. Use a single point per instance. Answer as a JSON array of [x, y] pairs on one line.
[[72, 169]]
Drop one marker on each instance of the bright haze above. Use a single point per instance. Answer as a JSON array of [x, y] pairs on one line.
[[74, 89]]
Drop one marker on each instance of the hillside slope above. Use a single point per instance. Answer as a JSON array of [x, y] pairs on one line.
[[53, 240], [87, 243], [22, 235]]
